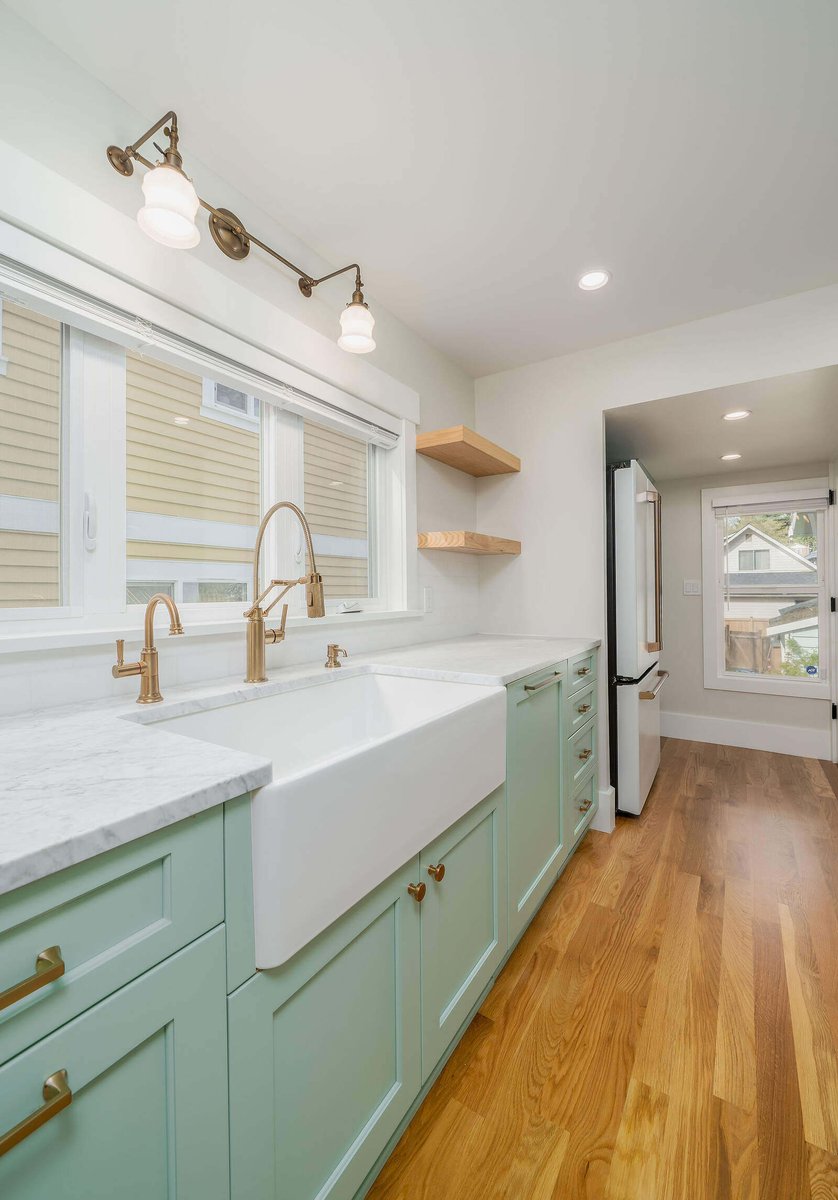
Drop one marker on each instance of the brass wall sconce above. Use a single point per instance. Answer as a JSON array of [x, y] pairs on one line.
[[168, 216]]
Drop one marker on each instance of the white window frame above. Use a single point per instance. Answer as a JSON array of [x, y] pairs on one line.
[[94, 477], [791, 493], [217, 410]]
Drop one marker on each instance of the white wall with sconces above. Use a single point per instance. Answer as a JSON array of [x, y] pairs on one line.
[[58, 185]]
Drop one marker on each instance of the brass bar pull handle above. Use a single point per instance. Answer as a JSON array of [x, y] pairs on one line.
[[57, 1095], [583, 708], [652, 693], [654, 498], [437, 872], [585, 754], [583, 670], [49, 966], [537, 687], [417, 891]]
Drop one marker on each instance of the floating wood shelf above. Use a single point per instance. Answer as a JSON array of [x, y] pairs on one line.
[[466, 450], [463, 542]]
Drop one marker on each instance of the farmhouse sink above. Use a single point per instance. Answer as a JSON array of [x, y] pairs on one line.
[[367, 770]]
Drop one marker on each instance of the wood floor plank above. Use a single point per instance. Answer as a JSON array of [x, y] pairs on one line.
[[667, 1028], [735, 1068], [817, 1066]]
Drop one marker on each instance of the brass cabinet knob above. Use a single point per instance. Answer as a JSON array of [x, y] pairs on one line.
[[437, 872], [585, 805], [417, 891], [583, 671], [583, 708], [585, 754]]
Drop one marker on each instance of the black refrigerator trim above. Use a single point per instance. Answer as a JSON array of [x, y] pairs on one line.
[[611, 623]]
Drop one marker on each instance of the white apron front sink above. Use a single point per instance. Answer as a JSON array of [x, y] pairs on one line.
[[367, 770]]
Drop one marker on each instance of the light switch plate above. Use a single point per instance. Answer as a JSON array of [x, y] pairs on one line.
[[692, 587]]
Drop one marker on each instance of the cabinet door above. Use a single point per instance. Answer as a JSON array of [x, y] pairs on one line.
[[463, 921], [325, 1053], [148, 1074], [534, 786]]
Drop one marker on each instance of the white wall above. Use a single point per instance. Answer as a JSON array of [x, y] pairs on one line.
[[551, 413], [688, 709], [57, 184]]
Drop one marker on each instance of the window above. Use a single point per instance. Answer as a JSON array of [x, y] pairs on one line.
[[125, 472], [31, 570], [754, 560], [764, 586]]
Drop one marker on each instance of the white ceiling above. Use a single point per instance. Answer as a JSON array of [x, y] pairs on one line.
[[477, 157], [794, 421]]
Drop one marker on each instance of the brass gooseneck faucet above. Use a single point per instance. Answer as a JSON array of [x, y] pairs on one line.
[[147, 668], [257, 635]]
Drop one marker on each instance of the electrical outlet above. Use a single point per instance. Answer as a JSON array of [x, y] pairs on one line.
[[692, 587], [427, 599]]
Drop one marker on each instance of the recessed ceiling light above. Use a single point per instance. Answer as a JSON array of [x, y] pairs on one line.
[[738, 415], [591, 280], [181, 420], [730, 457]]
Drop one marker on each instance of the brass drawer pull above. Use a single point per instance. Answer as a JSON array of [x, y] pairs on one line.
[[437, 872], [57, 1095], [49, 966], [583, 670], [536, 687], [583, 708], [585, 805], [417, 891], [585, 754]]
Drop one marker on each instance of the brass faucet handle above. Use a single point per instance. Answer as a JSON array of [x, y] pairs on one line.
[[122, 668], [272, 636]]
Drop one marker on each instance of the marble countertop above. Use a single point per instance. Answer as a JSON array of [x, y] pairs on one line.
[[80, 780]]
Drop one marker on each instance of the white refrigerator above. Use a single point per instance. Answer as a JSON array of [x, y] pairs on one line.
[[635, 632]]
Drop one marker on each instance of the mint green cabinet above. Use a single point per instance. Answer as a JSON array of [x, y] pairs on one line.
[[325, 1053], [147, 1070], [537, 845], [464, 934]]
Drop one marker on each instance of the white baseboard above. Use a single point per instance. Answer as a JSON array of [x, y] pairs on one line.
[[604, 819], [751, 735]]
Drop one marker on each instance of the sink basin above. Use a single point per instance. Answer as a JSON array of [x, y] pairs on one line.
[[367, 770]]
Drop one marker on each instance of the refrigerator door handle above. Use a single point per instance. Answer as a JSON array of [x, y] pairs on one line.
[[652, 693], [654, 497]]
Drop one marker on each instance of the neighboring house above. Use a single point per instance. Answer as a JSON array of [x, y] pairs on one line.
[[764, 628]]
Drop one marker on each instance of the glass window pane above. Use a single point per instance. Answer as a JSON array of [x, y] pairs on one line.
[[780, 549], [30, 459], [772, 635], [193, 489], [231, 398], [336, 504]]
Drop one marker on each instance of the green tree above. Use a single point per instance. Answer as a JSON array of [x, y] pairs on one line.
[[796, 659]]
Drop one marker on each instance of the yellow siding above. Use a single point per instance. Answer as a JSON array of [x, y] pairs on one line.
[[30, 401], [173, 550], [30, 453], [343, 578], [29, 570], [331, 458], [206, 469]]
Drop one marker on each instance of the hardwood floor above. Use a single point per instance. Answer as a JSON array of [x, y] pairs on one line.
[[667, 1029]]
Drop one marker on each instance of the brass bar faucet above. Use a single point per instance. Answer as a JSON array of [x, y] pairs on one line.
[[147, 667], [257, 635]]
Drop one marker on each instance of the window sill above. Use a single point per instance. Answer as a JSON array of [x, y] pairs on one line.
[[770, 687], [132, 631]]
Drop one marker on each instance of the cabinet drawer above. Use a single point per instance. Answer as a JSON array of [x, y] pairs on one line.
[[146, 1113], [584, 804], [112, 918], [581, 753], [581, 670], [580, 707], [536, 684]]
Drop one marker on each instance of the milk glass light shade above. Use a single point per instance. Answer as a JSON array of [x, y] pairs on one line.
[[356, 323], [171, 203]]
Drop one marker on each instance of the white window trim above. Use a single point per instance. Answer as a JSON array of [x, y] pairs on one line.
[[215, 410], [742, 496]]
